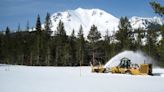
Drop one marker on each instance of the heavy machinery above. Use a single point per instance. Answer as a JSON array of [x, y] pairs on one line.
[[98, 68], [126, 66]]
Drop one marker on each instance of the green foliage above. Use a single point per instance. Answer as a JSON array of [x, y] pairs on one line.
[[72, 49], [125, 35], [94, 35], [108, 46], [161, 46], [60, 29], [157, 8], [38, 24], [7, 31], [162, 31], [140, 36], [40, 48], [48, 24], [151, 43], [81, 48]]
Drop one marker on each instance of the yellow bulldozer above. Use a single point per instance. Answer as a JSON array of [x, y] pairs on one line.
[[126, 66]]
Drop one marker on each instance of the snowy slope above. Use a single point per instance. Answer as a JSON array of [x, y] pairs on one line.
[[86, 17], [140, 22], [103, 20], [68, 79]]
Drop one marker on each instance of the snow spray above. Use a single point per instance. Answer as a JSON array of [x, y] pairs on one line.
[[136, 57]]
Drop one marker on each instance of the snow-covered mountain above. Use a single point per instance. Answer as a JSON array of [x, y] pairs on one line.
[[140, 22], [86, 17], [104, 21]]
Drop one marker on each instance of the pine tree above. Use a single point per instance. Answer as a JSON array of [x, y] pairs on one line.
[[1, 44], [72, 48], [7, 30], [47, 34], [48, 23], [107, 46], [6, 47], [161, 46], [61, 42], [81, 53], [140, 36], [38, 39], [93, 36], [125, 35], [19, 29], [157, 8], [60, 29], [152, 40], [38, 24]]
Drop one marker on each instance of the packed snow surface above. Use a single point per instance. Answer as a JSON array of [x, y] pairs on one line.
[[15, 78], [136, 58]]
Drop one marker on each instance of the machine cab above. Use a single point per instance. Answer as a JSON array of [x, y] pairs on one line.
[[125, 63]]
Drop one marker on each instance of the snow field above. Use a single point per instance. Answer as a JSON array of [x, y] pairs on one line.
[[68, 79]]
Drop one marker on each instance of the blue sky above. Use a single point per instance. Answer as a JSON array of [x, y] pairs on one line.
[[15, 12]]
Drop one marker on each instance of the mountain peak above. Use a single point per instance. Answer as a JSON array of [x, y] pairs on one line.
[[84, 9], [80, 9], [104, 21], [86, 17]]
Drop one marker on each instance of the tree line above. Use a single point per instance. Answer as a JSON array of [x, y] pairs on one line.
[[39, 47]]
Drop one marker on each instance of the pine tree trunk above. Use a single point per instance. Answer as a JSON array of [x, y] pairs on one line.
[[22, 59], [48, 57], [38, 52], [31, 63]]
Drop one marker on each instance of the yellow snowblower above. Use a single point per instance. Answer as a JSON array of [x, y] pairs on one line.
[[126, 66]]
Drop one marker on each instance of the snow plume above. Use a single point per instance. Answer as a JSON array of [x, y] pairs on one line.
[[137, 57]]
